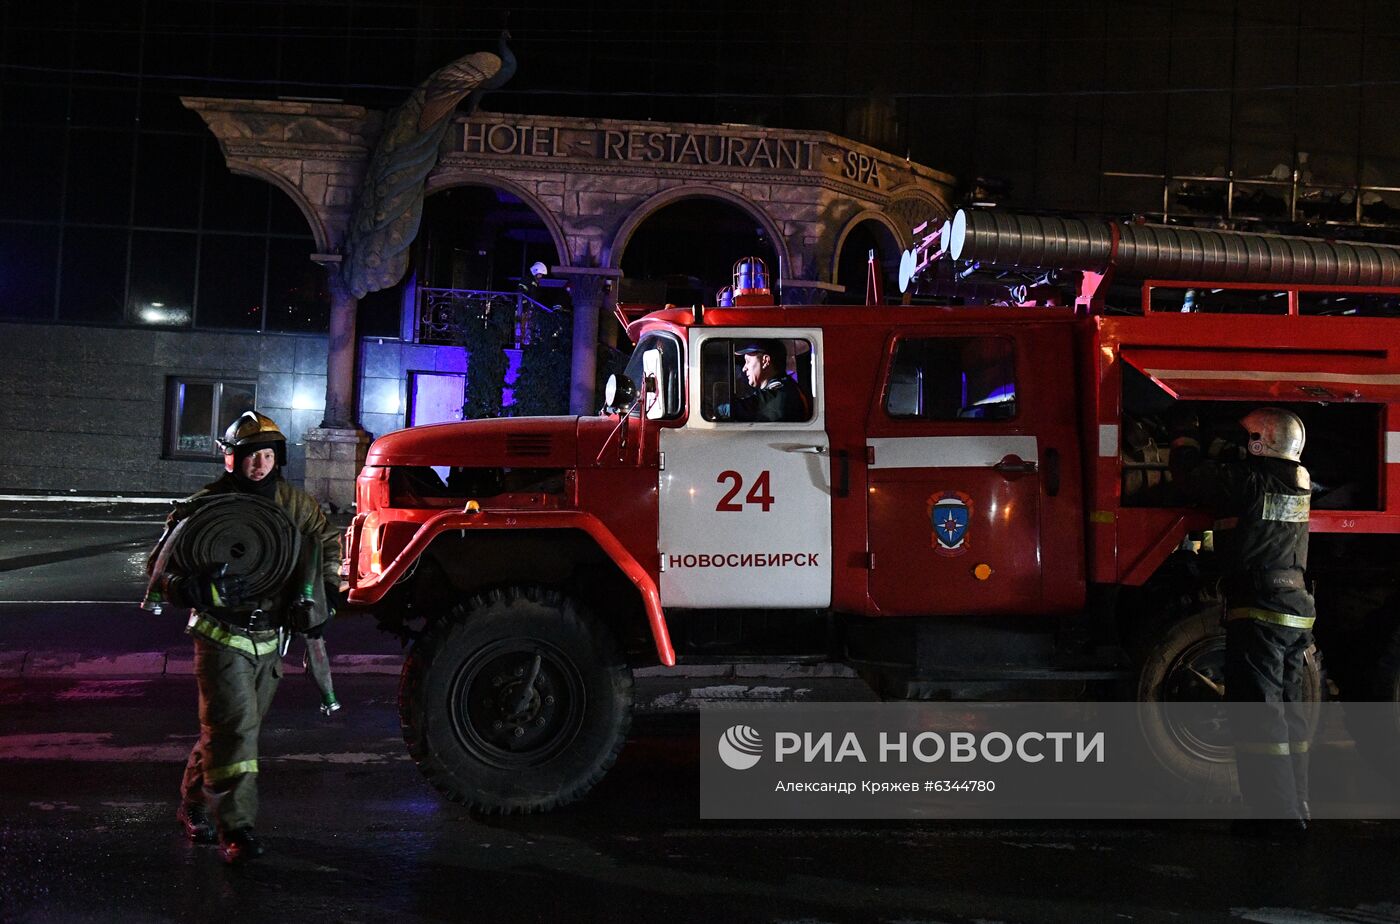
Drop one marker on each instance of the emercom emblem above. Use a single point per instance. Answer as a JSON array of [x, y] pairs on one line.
[[950, 514]]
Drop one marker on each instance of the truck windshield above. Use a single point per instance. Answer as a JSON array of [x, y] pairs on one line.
[[669, 382]]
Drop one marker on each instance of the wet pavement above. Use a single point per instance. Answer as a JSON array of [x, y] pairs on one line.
[[72, 575], [90, 770], [76, 552], [90, 763]]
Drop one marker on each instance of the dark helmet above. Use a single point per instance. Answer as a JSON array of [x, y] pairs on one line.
[[253, 431]]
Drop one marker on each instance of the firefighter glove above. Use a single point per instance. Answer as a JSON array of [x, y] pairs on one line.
[[212, 589], [300, 614], [335, 597]]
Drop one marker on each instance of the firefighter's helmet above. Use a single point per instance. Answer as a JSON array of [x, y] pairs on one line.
[[1275, 433], [253, 431]]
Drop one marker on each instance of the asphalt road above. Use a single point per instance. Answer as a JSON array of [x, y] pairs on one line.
[[76, 552], [90, 771], [72, 575]]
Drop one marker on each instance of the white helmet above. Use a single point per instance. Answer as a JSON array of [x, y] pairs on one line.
[[1275, 433]]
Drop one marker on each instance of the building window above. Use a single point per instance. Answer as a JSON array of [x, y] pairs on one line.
[[197, 412]]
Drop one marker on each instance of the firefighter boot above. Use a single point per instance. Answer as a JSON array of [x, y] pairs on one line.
[[1267, 784], [1299, 757], [239, 846], [194, 818]]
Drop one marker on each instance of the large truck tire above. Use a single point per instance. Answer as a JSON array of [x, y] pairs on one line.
[[1185, 663], [518, 703], [1374, 722]]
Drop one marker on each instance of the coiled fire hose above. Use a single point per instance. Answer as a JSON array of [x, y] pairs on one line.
[[254, 538], [246, 537]]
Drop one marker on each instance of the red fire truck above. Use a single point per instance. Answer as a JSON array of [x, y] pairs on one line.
[[973, 501]]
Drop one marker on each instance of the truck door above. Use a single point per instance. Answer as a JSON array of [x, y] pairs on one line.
[[745, 505], [956, 475]]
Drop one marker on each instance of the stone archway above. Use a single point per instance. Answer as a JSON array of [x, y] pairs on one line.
[[441, 182], [617, 244], [899, 240], [874, 228], [320, 234], [592, 182], [911, 208], [685, 251]]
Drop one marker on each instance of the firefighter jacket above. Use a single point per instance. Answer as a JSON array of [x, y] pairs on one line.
[[1261, 507], [231, 626], [779, 400]]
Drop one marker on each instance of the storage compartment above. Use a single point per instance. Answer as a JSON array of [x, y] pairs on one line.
[[1343, 453]]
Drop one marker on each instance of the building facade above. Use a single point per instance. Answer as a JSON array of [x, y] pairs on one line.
[[137, 410], [147, 288]]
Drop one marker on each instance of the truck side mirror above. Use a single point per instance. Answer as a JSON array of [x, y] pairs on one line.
[[651, 371]]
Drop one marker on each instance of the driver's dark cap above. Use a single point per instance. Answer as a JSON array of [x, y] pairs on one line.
[[773, 348]]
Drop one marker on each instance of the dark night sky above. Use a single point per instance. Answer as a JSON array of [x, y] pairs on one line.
[[1046, 97]]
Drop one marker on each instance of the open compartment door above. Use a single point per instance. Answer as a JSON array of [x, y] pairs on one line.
[[1268, 376], [1346, 398]]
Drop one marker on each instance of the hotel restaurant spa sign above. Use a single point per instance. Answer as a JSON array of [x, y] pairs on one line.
[[662, 144]]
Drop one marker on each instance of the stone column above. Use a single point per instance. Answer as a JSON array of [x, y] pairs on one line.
[[335, 451], [593, 291], [340, 355], [334, 457]]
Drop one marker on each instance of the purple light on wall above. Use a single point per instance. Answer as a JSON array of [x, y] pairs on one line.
[[454, 359]]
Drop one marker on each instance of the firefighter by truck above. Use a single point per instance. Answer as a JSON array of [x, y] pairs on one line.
[[1262, 506], [1009, 451], [240, 617]]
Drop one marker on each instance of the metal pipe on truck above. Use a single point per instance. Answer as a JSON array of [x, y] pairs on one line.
[[1168, 251]]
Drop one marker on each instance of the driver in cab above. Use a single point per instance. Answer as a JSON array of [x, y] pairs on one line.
[[775, 396]]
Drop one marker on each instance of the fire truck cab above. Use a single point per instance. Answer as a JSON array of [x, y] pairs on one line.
[[964, 502]]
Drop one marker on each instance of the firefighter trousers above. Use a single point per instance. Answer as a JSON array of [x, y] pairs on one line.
[[1264, 665], [235, 689]]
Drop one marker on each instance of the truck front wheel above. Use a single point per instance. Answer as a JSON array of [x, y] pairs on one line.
[[518, 703]]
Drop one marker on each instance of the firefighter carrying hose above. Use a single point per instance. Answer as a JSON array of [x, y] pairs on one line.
[[1261, 538], [239, 632]]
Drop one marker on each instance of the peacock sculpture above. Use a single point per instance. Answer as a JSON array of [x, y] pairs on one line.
[[506, 72], [389, 205]]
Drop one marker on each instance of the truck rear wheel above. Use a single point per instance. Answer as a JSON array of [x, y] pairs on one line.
[[518, 703], [1184, 663]]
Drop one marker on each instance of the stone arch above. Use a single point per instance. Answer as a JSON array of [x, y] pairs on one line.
[[447, 179], [319, 233], [908, 206], [612, 252], [901, 241]]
